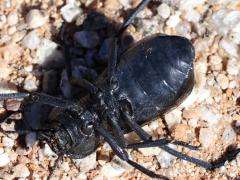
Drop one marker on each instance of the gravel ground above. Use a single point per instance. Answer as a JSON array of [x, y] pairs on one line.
[[31, 60]]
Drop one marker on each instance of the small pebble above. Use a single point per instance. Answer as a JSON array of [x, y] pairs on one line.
[[12, 18], [3, 20], [114, 168], [173, 117], [104, 51], [35, 18], [65, 166], [30, 83], [229, 47], [47, 151], [7, 142], [49, 56], [223, 81], [182, 132], [70, 12], [12, 105], [165, 159], [87, 163], [233, 67], [206, 137], [4, 159], [87, 39], [210, 114], [21, 171], [192, 16], [173, 20], [164, 10], [31, 40], [229, 136], [126, 4], [150, 151]]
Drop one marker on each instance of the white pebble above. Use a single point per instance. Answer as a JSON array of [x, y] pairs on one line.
[[231, 19], [150, 151], [229, 136], [206, 137], [70, 12], [30, 83], [173, 20], [65, 166], [223, 81], [35, 18], [21, 171], [12, 18], [165, 159], [49, 55], [210, 114], [87, 163], [232, 84], [7, 142], [229, 47], [233, 67], [47, 151], [31, 40], [4, 159], [3, 20], [190, 4], [164, 10], [173, 117], [115, 168], [192, 15]]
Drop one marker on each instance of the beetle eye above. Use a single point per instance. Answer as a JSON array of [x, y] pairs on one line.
[[87, 128]]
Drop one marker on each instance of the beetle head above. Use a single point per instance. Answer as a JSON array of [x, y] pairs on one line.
[[72, 135]]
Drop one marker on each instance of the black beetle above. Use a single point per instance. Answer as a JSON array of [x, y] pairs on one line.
[[146, 80]]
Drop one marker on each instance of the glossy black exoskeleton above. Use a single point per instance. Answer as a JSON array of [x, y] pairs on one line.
[[146, 80]]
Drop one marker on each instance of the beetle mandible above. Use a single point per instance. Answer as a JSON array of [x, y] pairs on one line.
[[146, 80]]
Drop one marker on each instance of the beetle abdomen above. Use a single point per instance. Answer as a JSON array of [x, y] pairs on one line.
[[155, 74]]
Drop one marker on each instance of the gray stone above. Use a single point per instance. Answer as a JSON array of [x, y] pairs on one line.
[[35, 18], [87, 39]]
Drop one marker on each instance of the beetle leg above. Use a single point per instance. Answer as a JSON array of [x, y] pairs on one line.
[[43, 99], [51, 169], [135, 127], [85, 84], [131, 17], [147, 138], [65, 47], [122, 154], [161, 142], [118, 133], [112, 61]]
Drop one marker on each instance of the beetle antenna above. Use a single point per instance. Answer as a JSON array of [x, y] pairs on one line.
[[131, 17]]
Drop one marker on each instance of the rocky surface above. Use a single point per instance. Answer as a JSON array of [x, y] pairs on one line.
[[31, 53]]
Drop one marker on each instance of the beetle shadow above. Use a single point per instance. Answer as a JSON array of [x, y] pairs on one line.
[[230, 154]]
